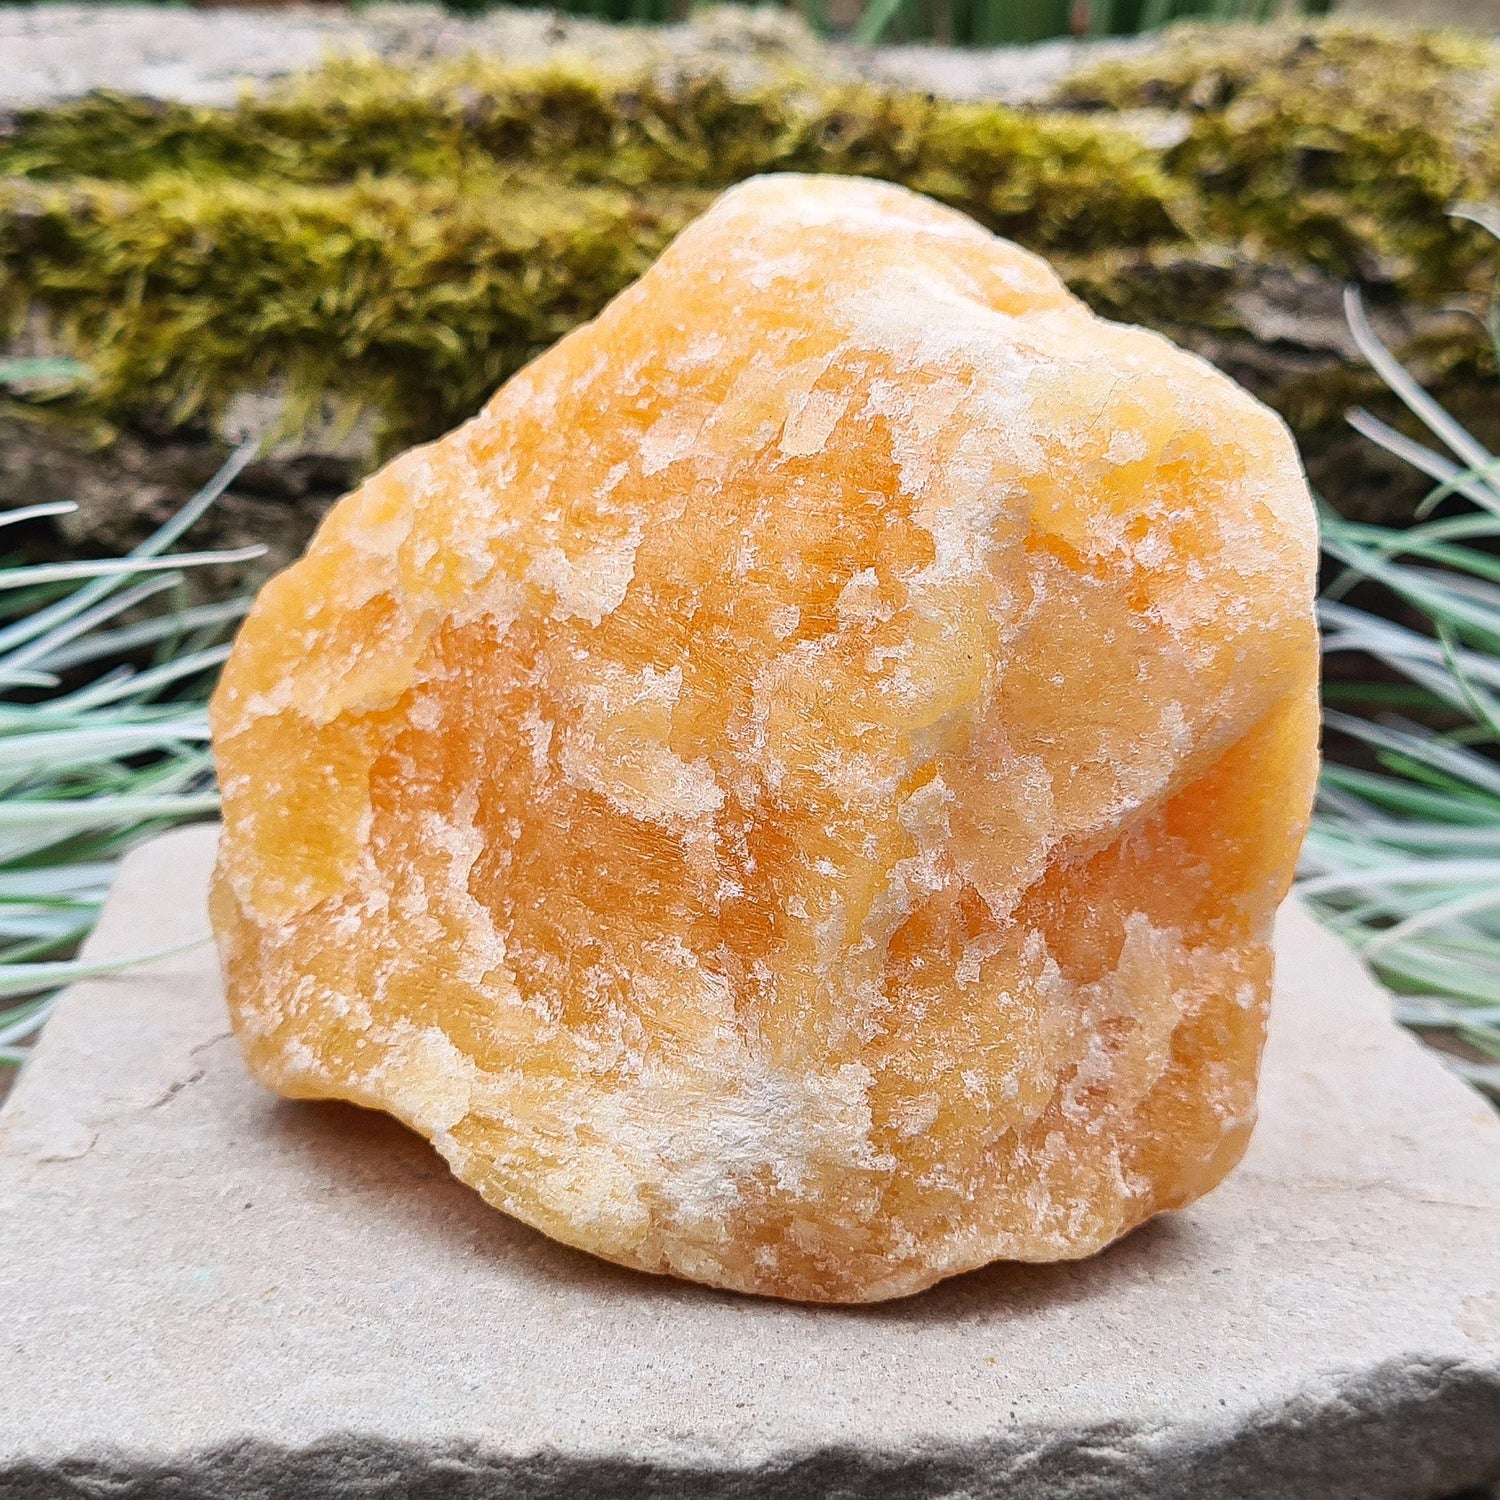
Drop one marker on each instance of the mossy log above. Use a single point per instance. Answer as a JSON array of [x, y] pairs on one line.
[[358, 258]]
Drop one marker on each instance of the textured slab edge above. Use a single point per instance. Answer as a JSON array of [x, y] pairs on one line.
[[1426, 1429]]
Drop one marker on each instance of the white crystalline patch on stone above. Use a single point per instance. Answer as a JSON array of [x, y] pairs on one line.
[[970, 967], [298, 1062], [702, 349], [425, 711], [924, 814], [756, 409], [1126, 446], [859, 599], [381, 539], [592, 584], [483, 950], [812, 421], [762, 1121], [815, 207], [783, 620], [275, 700], [765, 272], [699, 1150], [916, 1117], [425, 1078], [928, 323], [619, 749], [538, 733], [671, 437], [594, 1185]]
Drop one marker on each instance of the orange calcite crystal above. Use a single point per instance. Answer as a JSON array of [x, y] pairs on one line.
[[795, 792]]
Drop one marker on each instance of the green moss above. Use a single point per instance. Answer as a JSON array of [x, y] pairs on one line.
[[1340, 146], [1072, 183], [411, 238], [415, 298]]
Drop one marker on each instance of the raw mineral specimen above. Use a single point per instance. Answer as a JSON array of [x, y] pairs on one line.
[[794, 793]]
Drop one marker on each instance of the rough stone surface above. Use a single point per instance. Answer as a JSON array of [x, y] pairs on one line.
[[210, 1292], [795, 792]]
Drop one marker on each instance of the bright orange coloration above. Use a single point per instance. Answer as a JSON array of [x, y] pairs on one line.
[[793, 794]]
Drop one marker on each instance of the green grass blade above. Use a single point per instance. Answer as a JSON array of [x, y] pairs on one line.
[[1429, 412], [872, 25]]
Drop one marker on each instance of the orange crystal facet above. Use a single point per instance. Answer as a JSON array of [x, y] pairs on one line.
[[795, 792]]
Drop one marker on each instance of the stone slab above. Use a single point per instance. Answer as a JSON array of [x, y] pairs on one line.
[[208, 1292]]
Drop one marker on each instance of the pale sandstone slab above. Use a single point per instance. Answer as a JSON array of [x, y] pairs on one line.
[[211, 1292]]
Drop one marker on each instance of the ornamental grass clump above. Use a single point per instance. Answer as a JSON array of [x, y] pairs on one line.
[[1403, 859], [104, 669]]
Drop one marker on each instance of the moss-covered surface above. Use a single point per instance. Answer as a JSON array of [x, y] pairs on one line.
[[415, 237], [635, 132], [1340, 145], [416, 298], [405, 239]]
